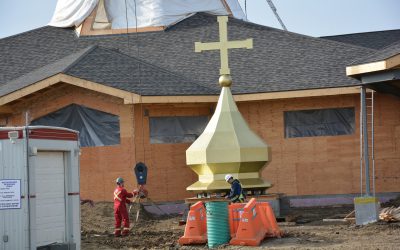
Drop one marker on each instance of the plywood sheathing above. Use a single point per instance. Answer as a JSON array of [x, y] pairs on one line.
[[325, 164], [299, 166], [99, 165]]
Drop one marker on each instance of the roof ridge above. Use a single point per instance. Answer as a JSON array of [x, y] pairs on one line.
[[289, 32], [25, 32], [347, 44], [388, 46], [239, 21], [85, 51], [375, 53], [358, 33]]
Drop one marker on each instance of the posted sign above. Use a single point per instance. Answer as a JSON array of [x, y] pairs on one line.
[[10, 194]]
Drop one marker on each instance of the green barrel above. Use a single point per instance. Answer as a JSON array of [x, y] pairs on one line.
[[217, 223]]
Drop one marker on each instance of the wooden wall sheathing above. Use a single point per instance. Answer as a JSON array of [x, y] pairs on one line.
[[326, 164], [299, 166]]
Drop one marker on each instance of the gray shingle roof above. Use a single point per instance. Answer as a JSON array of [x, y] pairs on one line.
[[112, 69], [380, 55], [280, 60], [121, 71], [374, 40], [42, 72], [25, 52]]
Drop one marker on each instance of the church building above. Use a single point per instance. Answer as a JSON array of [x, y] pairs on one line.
[[127, 77]]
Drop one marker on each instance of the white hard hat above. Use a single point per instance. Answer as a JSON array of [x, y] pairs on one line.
[[228, 176]]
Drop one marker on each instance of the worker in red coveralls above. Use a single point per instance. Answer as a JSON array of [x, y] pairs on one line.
[[120, 212]]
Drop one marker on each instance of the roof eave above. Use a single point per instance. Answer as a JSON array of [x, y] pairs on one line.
[[128, 97], [356, 70], [133, 98]]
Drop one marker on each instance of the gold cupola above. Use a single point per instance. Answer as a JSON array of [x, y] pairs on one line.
[[227, 145]]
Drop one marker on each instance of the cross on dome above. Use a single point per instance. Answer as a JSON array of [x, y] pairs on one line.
[[223, 45]]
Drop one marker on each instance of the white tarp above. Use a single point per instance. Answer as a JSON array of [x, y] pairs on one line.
[[236, 9], [150, 13], [71, 13]]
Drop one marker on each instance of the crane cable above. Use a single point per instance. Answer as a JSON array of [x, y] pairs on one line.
[[139, 76], [245, 8], [137, 199], [273, 8]]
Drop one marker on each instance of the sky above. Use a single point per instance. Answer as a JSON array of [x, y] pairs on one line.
[[308, 17]]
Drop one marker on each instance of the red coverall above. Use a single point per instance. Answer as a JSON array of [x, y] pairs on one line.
[[120, 212]]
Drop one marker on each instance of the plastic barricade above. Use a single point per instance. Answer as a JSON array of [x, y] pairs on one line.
[[196, 226], [235, 212], [268, 219], [251, 230]]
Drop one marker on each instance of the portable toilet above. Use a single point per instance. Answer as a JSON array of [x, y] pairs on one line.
[[39, 188]]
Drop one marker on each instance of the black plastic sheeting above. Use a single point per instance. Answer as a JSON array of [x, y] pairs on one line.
[[96, 128], [176, 129], [319, 122]]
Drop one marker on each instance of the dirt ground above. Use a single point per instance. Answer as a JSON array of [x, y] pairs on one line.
[[308, 232]]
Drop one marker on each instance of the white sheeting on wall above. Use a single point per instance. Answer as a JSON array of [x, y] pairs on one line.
[[71, 13], [149, 12], [236, 9]]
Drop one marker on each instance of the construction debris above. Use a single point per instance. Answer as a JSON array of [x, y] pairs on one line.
[[334, 220], [90, 202], [390, 214], [392, 202], [351, 217]]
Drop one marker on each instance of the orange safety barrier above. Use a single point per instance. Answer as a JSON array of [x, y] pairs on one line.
[[268, 219], [196, 226], [235, 212], [249, 224], [251, 230]]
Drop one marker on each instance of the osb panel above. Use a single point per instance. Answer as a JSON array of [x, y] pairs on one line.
[[99, 166], [168, 174], [386, 113], [325, 178], [179, 110], [51, 101], [387, 175], [397, 131], [299, 166]]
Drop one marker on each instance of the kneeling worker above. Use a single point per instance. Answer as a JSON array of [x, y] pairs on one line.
[[236, 193], [120, 212]]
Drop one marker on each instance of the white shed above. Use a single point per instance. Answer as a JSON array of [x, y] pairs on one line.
[[39, 188]]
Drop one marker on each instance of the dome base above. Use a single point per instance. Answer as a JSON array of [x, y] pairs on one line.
[[216, 186]]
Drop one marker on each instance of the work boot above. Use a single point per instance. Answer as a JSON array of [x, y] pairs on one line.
[[125, 232], [117, 232]]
